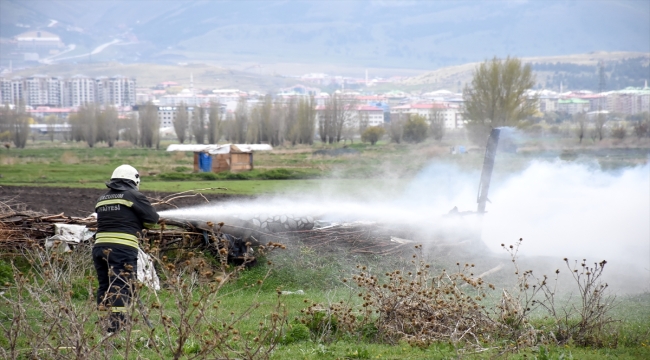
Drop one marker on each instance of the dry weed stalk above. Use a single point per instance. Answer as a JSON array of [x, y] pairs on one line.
[[415, 306], [50, 312], [584, 321]]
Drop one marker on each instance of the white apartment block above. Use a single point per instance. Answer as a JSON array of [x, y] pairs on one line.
[[372, 114], [121, 91], [5, 91], [81, 90], [450, 113], [40, 90]]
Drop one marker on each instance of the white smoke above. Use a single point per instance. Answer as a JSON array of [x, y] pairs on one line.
[[560, 209]]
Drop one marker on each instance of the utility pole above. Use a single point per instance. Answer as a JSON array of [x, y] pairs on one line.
[[600, 118]]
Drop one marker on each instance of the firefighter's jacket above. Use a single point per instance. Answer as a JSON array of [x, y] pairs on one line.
[[122, 213]]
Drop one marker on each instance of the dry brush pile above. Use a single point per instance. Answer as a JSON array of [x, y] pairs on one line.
[[421, 307]]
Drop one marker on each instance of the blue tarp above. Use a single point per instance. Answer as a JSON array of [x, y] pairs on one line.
[[205, 162]]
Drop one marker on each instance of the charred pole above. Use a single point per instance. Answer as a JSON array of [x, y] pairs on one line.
[[488, 165]]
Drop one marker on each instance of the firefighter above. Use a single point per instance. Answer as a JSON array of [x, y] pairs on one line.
[[122, 213]]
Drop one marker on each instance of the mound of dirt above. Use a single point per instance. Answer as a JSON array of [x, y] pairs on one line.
[[81, 202]]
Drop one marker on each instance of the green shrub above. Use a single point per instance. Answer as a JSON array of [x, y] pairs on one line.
[[182, 169], [297, 333], [415, 129], [208, 176], [372, 134], [175, 177], [6, 272], [277, 174]]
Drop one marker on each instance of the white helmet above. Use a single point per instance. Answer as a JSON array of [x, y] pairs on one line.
[[127, 172]]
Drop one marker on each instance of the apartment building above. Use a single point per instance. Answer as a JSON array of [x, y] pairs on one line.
[[39, 90], [449, 113], [372, 115], [5, 91], [80, 90]]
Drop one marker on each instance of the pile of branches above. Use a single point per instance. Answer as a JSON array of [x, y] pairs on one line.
[[25, 228], [355, 238], [18, 229]]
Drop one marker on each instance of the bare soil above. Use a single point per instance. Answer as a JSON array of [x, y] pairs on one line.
[[81, 202]]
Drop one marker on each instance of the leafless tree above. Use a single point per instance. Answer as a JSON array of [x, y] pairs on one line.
[[437, 125], [5, 122], [306, 117], [396, 127], [290, 115], [338, 111], [107, 125], [76, 131], [363, 122], [181, 123], [17, 123], [254, 129], [88, 120], [198, 124], [129, 129], [214, 123], [51, 121], [599, 126], [581, 122], [237, 125], [149, 126], [276, 123], [641, 126]]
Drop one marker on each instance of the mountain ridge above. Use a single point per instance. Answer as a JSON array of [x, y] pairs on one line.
[[409, 34]]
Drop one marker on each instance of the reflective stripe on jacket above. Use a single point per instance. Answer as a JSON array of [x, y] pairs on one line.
[[122, 213]]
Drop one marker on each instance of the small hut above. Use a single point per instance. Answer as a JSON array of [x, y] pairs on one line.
[[217, 158]]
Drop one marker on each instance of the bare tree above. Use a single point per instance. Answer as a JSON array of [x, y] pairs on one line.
[[254, 129], [149, 126], [107, 125], [88, 120], [214, 123], [129, 129], [348, 132], [198, 124], [581, 129], [437, 125], [363, 121], [51, 121], [599, 126], [338, 112], [237, 124], [181, 123], [276, 123], [5, 122], [396, 127], [76, 130], [642, 125], [306, 117], [19, 126], [290, 115], [497, 96]]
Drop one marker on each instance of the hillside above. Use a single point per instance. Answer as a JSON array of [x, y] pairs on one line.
[[365, 34], [576, 72], [148, 75]]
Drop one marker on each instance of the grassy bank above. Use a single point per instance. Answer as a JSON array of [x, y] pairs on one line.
[[48, 309], [45, 163]]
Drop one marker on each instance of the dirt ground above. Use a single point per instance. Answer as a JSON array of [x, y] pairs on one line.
[[80, 202]]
